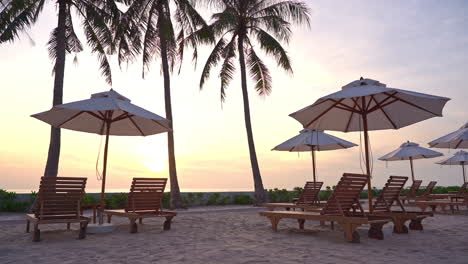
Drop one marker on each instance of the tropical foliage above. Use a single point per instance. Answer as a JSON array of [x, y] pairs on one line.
[[95, 16], [242, 28], [151, 30]]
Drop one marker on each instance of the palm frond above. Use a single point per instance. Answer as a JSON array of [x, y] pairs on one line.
[[167, 34], [98, 36], [259, 73], [192, 24], [17, 16], [272, 47], [274, 24], [72, 43], [227, 71], [128, 31], [291, 11], [151, 42], [201, 36], [212, 61]]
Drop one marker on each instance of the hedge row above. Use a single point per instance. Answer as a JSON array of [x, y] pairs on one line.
[[9, 203]]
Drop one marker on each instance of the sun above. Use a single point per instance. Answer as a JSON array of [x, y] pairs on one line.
[[155, 165], [153, 156]]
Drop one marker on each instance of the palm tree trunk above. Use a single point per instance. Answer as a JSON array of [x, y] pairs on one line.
[[259, 191], [176, 199], [51, 169]]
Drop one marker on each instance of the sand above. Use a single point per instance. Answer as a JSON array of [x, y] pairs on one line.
[[234, 235]]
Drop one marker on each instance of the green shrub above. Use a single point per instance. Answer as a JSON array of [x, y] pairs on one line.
[[242, 199], [213, 199], [323, 195], [116, 201], [297, 191], [8, 202], [166, 200], [225, 200], [191, 199], [364, 195], [276, 195], [185, 201], [89, 200]]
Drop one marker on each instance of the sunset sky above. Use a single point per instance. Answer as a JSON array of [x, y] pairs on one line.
[[413, 45]]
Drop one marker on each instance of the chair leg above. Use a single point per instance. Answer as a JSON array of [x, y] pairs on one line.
[[399, 226], [83, 227], [68, 226], [416, 224], [37, 233], [140, 220], [167, 223], [274, 223], [109, 218], [301, 223], [350, 233], [133, 226], [27, 226], [375, 231]]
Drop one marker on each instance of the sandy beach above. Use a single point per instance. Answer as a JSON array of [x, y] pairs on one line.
[[234, 235]]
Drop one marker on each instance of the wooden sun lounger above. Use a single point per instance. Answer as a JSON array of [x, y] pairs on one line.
[[309, 199], [289, 206], [413, 191], [442, 203], [383, 207], [144, 201], [454, 196], [58, 201], [338, 209], [423, 197]]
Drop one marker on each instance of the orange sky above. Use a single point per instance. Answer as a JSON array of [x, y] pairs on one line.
[[424, 50]]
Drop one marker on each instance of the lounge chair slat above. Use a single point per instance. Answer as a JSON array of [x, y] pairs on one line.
[[144, 200]]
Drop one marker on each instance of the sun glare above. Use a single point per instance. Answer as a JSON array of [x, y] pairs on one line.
[[153, 157], [155, 165]]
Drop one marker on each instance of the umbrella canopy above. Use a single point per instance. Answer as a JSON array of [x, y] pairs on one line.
[[313, 140], [410, 151], [91, 115], [455, 140], [365, 105], [106, 113], [459, 158]]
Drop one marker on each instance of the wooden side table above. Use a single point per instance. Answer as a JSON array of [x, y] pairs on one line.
[[93, 207]]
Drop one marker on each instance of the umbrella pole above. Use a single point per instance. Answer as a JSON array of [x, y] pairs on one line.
[[313, 165], [104, 171], [366, 149], [412, 170], [463, 168]]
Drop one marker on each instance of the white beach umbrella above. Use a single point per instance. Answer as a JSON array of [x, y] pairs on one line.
[[455, 140], [106, 113], [365, 105], [459, 158], [313, 140], [410, 151]]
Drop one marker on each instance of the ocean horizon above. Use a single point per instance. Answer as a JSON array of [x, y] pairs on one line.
[[126, 190]]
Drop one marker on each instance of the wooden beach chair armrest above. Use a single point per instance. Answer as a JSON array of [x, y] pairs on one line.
[[380, 221]]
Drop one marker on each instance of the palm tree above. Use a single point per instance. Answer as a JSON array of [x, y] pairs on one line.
[[240, 25], [17, 16], [147, 28]]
